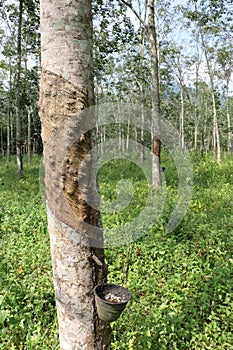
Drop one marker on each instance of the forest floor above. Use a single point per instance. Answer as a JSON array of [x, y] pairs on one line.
[[181, 281]]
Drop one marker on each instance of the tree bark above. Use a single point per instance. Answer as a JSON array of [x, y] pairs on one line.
[[1, 141], [17, 94], [12, 133], [216, 135], [9, 116], [182, 145], [156, 173], [229, 133], [155, 93], [8, 136], [66, 90], [29, 150]]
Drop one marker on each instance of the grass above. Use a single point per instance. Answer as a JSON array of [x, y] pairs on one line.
[[27, 316], [181, 282]]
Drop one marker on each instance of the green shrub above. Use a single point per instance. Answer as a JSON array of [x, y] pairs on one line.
[[181, 282]]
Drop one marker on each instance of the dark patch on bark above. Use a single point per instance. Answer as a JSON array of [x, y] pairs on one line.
[[156, 146]]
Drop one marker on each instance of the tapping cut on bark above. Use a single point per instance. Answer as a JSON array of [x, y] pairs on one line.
[[66, 92]]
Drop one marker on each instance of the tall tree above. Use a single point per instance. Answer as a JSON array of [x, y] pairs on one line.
[[66, 91], [20, 49], [225, 60], [216, 133], [212, 20], [17, 93], [150, 29], [155, 95]]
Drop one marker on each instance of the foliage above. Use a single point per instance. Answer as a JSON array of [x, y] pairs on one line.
[[122, 65], [181, 282], [27, 316], [29, 74]]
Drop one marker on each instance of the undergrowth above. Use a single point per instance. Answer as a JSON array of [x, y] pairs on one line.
[[181, 282]]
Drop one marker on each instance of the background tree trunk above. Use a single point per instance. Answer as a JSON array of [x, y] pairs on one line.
[[66, 89], [1, 141], [9, 116], [8, 136], [156, 173], [29, 143], [12, 133], [17, 94], [229, 132], [216, 135], [182, 144]]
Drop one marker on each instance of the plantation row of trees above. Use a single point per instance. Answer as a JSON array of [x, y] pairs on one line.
[[20, 52], [192, 60]]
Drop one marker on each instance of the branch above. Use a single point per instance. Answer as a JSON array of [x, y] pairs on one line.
[[128, 4]]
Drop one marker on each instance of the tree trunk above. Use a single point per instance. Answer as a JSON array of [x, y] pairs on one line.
[[29, 151], [229, 133], [66, 90], [216, 129], [1, 141], [127, 136], [8, 137], [182, 119], [196, 91], [216, 135], [156, 173], [17, 94], [9, 116], [142, 133], [120, 139], [142, 56], [157, 31], [12, 133], [195, 135]]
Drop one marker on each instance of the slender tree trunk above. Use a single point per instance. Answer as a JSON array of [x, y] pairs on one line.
[[216, 129], [196, 93], [156, 173], [12, 134], [135, 137], [182, 119], [118, 121], [66, 90], [207, 130], [127, 136], [29, 150], [142, 131], [195, 135], [229, 133], [8, 137], [216, 135], [103, 128], [17, 93], [97, 108], [1, 140], [153, 48], [157, 31], [142, 56], [9, 116]]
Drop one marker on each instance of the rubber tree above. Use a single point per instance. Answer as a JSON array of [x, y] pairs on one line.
[[66, 92], [210, 18], [226, 62], [150, 27], [17, 93], [155, 95]]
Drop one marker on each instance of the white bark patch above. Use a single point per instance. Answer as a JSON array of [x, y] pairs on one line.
[[64, 36]]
